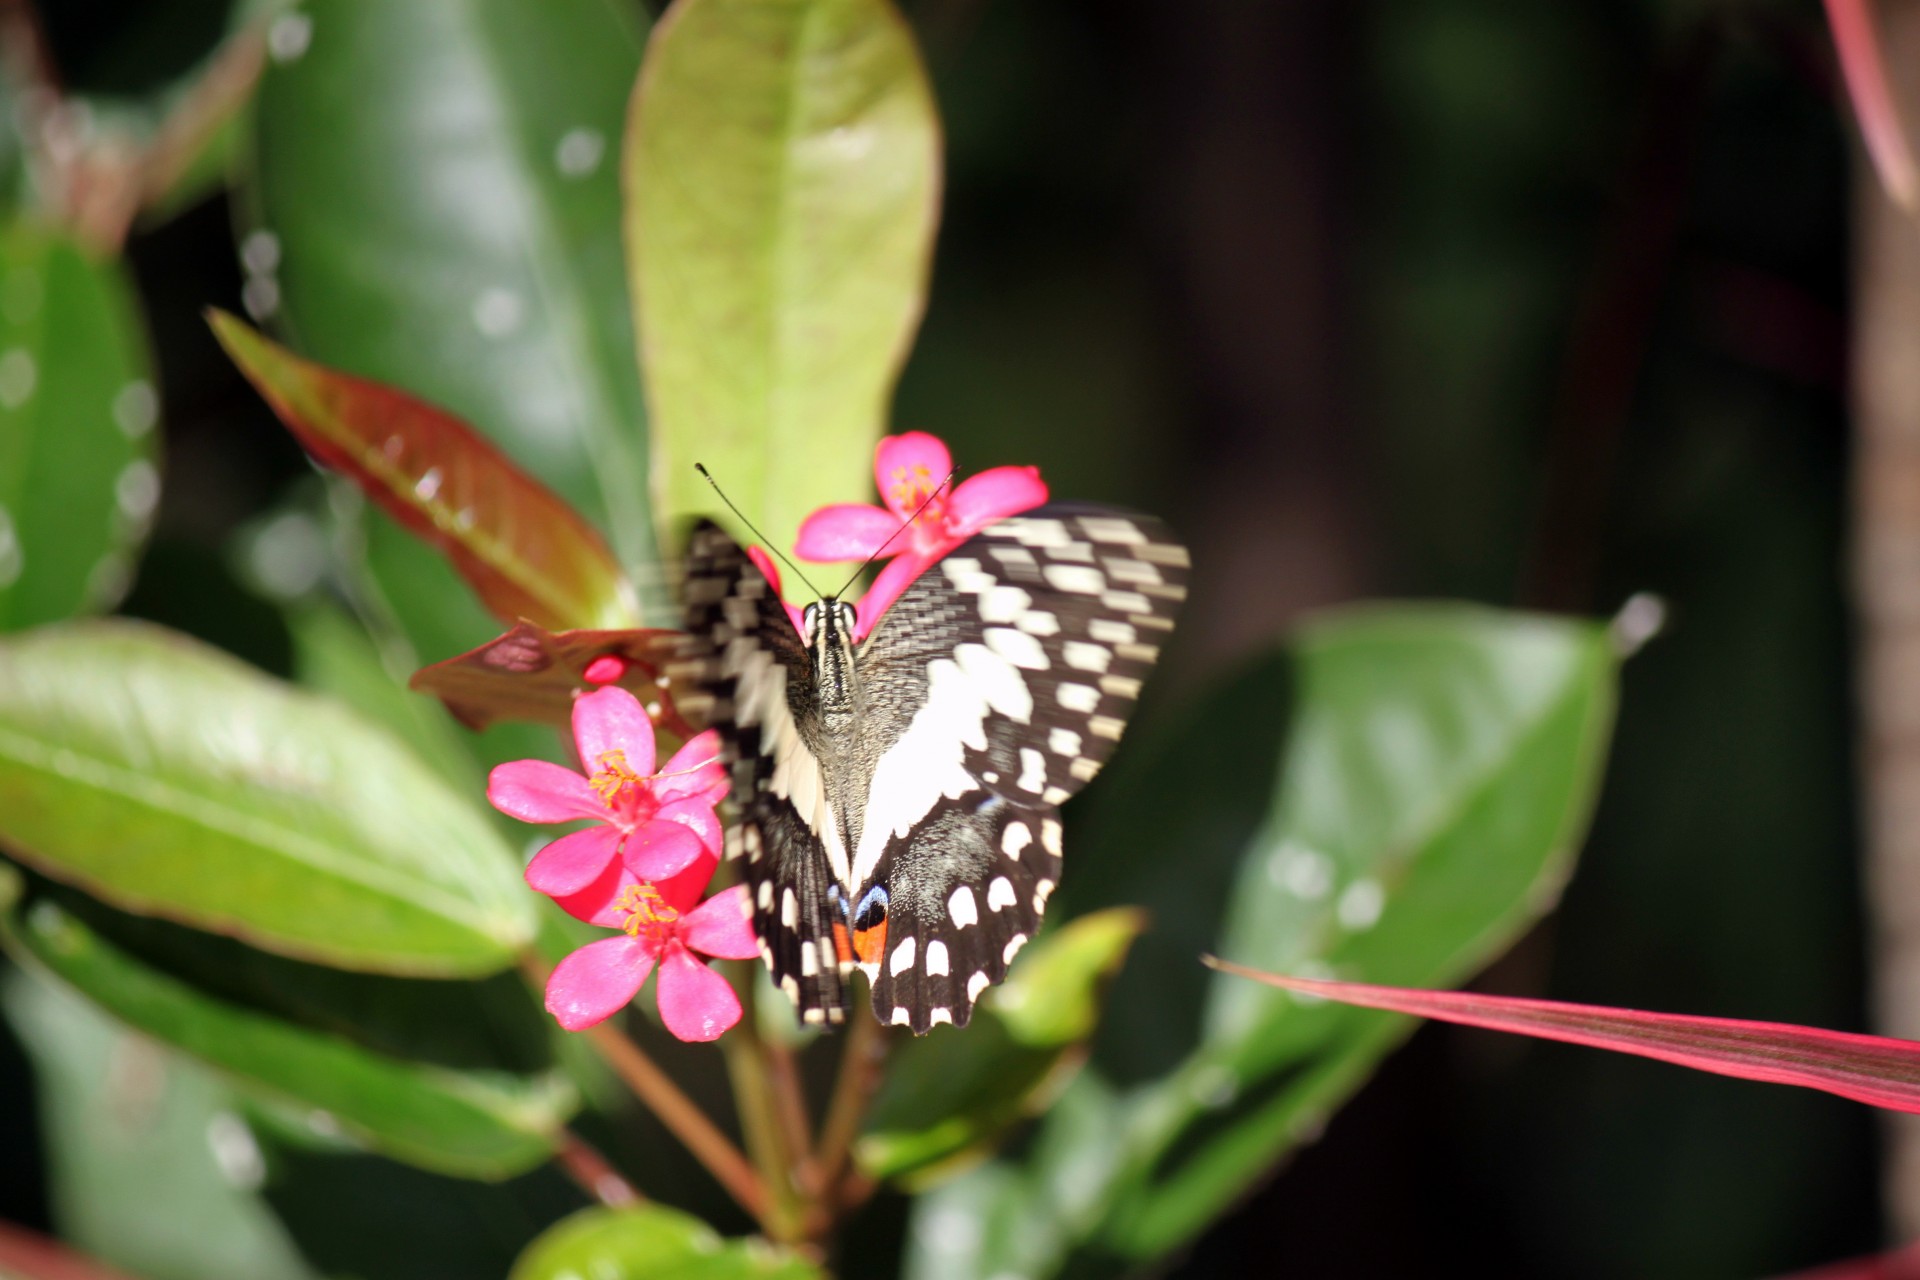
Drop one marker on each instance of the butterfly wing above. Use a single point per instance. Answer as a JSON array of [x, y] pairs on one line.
[[751, 665], [999, 683]]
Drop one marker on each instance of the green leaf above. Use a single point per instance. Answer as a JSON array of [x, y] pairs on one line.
[[171, 780], [1438, 774], [140, 1141], [948, 1095], [783, 186], [471, 1123], [521, 548], [652, 1243], [333, 655], [431, 202], [78, 481]]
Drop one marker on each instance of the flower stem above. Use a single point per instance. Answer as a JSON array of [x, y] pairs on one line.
[[860, 1064], [579, 1160]]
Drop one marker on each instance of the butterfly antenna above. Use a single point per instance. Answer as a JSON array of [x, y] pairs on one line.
[[904, 526], [766, 541]]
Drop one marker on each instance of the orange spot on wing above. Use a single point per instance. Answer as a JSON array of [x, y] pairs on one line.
[[870, 944], [841, 947]]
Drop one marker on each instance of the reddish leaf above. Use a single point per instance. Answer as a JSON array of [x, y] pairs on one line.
[[1901, 1264], [1869, 1069], [34, 1257], [532, 674], [518, 544]]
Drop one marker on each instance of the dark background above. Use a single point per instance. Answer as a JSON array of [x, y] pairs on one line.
[[1537, 304]]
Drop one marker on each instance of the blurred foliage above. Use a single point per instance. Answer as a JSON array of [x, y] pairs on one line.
[[1545, 302]]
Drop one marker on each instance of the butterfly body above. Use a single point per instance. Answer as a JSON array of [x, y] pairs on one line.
[[898, 795]]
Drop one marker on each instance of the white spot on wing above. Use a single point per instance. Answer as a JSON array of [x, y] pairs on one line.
[[937, 959], [1088, 657], [1017, 647], [1015, 838], [1014, 944], [1000, 894], [902, 958], [1063, 742], [977, 983], [1033, 770], [962, 908], [1078, 579], [1003, 604], [789, 908], [902, 1018], [998, 681], [1078, 697]]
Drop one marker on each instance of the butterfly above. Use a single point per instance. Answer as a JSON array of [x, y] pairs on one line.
[[898, 797]]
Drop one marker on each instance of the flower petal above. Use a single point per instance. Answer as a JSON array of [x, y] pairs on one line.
[[723, 926], [609, 720], [906, 467], [682, 891], [573, 862], [656, 850], [695, 1002], [541, 791], [697, 815], [845, 531], [597, 981], [694, 770], [771, 572], [993, 495], [595, 903], [887, 586]]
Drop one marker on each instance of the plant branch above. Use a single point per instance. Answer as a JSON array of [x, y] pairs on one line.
[[860, 1064], [660, 1095], [579, 1160], [756, 1100], [683, 1119]]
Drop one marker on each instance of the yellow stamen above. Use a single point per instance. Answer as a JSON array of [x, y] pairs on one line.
[[644, 905], [612, 775], [911, 488]]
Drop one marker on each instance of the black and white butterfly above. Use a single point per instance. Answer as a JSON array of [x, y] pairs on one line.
[[899, 797]]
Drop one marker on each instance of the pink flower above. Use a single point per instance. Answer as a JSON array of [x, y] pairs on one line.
[[661, 927], [908, 470], [658, 824]]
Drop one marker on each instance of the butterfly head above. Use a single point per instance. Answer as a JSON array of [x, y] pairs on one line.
[[827, 627]]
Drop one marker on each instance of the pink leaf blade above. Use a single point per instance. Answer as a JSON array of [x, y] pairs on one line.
[[1857, 40], [525, 552], [1876, 1070]]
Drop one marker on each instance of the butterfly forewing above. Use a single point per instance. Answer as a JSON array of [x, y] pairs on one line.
[[994, 688], [1029, 644], [752, 670]]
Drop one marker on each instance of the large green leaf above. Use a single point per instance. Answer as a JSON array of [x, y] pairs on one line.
[[783, 185], [473, 1123], [171, 780], [78, 481], [149, 1164], [1438, 774], [651, 1242], [431, 201]]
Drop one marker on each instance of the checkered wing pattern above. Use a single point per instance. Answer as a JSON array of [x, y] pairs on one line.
[[999, 683], [756, 686]]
